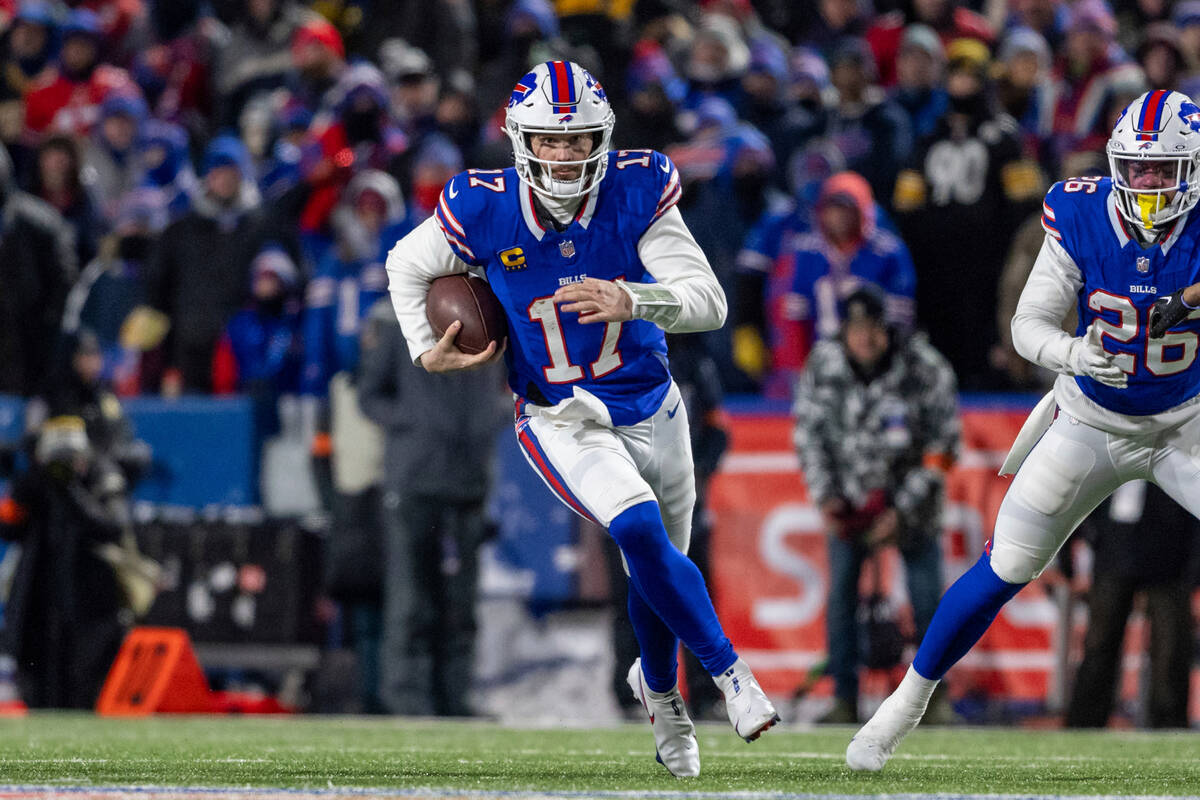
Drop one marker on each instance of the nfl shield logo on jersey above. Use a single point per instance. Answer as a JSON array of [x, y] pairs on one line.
[[566, 248], [1143, 264]]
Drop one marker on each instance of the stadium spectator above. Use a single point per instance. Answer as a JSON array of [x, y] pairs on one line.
[[1025, 92], [768, 344], [948, 18], [59, 180], [876, 429], [256, 55], [919, 88], [29, 49], [1093, 62], [110, 159], [1142, 544], [834, 21], [350, 277], [1160, 55], [162, 151], [1048, 18], [318, 61], [200, 269], [872, 132], [970, 178], [37, 267], [845, 249], [66, 99], [716, 61], [440, 434], [113, 284], [261, 352], [654, 90], [175, 70]]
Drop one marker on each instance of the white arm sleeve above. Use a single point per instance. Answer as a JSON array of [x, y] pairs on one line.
[[687, 296], [1052, 289], [412, 265]]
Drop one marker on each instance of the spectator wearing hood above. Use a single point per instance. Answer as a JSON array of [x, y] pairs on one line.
[[356, 133], [844, 249], [37, 267], [166, 166], [872, 132], [1025, 92], [350, 277], [969, 177], [110, 160], [257, 54], [716, 62], [654, 91], [200, 269], [947, 18], [1048, 18], [919, 89], [262, 350], [58, 179], [1092, 65], [31, 44], [114, 283], [67, 98], [833, 21], [768, 345], [174, 71]]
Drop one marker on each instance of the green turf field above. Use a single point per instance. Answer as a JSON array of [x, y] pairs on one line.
[[70, 750]]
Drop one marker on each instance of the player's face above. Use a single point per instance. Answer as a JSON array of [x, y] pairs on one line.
[[1151, 174], [562, 147]]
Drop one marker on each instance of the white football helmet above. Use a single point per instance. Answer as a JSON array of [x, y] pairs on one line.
[[559, 97], [1164, 127]]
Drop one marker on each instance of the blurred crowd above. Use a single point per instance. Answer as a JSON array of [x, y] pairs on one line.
[[210, 187]]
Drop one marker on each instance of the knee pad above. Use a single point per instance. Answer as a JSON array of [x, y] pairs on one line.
[[1012, 564], [1049, 480]]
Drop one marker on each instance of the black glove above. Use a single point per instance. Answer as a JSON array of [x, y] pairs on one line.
[[1166, 313]]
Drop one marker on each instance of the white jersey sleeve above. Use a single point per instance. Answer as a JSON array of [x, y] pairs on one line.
[[412, 265], [1049, 294], [687, 297]]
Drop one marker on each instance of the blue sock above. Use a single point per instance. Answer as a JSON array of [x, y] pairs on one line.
[[672, 587], [965, 612], [659, 647]]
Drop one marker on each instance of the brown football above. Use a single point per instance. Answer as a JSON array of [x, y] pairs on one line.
[[469, 299]]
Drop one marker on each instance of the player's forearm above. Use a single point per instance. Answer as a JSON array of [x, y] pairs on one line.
[[1048, 296], [687, 296], [412, 265]]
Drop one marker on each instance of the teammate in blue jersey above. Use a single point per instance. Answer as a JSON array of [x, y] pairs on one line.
[[1125, 252], [592, 263]]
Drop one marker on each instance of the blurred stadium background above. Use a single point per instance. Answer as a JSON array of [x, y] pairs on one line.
[[225, 321]]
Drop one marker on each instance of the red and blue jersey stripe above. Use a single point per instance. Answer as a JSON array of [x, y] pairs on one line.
[[1150, 121]]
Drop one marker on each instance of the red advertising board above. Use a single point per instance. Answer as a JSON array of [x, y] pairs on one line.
[[770, 572]]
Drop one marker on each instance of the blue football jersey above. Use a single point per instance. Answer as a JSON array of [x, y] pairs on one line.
[[1121, 281], [489, 220]]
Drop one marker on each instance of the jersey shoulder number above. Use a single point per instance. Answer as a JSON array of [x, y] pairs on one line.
[[648, 180]]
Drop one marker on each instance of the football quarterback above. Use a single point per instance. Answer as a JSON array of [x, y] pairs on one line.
[[592, 262]]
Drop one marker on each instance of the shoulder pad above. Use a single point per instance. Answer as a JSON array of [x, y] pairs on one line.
[[454, 214], [649, 181]]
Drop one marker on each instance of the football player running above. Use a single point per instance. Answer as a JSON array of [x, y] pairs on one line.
[[1125, 403], [592, 262]]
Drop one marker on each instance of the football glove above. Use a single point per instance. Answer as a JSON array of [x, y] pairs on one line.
[[1088, 357], [1166, 313]]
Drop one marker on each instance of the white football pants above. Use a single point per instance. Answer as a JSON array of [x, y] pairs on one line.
[[598, 471], [1071, 469]]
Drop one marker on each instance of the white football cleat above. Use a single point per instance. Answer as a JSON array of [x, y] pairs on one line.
[[750, 711], [876, 741], [674, 734]]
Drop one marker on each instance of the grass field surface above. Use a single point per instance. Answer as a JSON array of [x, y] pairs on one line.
[[78, 755]]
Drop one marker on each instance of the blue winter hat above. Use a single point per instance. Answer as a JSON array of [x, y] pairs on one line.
[[715, 111], [224, 151], [540, 11], [81, 22], [123, 104], [37, 12], [768, 58]]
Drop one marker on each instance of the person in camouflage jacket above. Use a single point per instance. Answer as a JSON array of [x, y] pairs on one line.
[[876, 429]]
